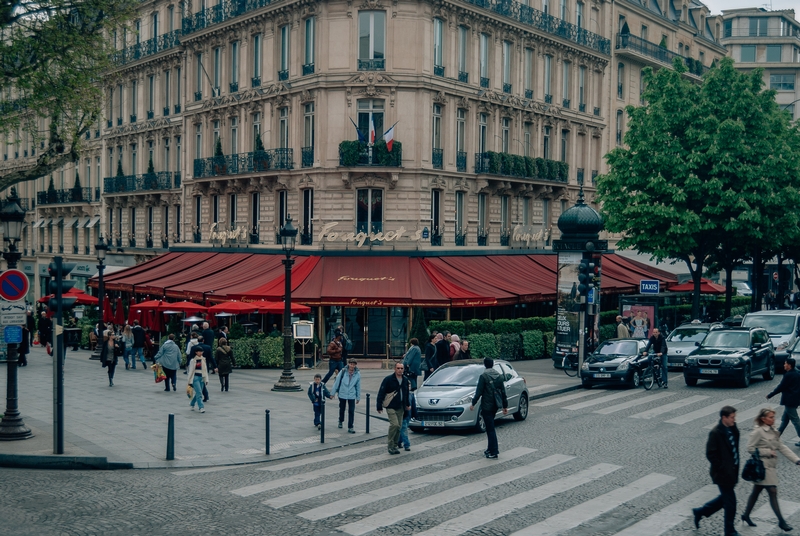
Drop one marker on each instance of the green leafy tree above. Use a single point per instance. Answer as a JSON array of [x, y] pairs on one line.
[[52, 54]]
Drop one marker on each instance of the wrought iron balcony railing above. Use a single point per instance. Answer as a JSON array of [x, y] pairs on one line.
[[166, 111], [438, 70], [308, 68], [307, 236], [255, 81], [461, 238], [221, 12], [177, 108], [525, 167], [528, 93], [437, 158], [582, 107], [254, 236], [237, 164], [283, 75], [162, 180], [461, 161], [151, 114], [565, 103], [372, 65], [657, 52], [147, 48], [198, 96], [506, 88], [234, 87], [463, 77], [548, 99], [72, 195], [484, 82], [307, 156], [597, 111]]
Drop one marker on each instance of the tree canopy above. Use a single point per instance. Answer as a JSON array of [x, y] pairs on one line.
[[707, 172], [53, 55]]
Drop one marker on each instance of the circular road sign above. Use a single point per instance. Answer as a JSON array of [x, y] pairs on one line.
[[13, 285], [775, 276]]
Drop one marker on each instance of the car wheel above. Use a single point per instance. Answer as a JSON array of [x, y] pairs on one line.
[[586, 385], [745, 380], [480, 426], [522, 411], [636, 379], [770, 372], [691, 382]]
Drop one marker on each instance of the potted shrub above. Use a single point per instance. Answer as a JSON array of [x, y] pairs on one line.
[[150, 180], [220, 166], [77, 192], [260, 156]]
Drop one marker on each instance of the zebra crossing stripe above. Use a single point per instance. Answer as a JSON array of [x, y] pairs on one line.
[[571, 518], [666, 408], [305, 460], [671, 516], [601, 400], [327, 471], [565, 398], [286, 499], [631, 403], [743, 416], [405, 510], [543, 387], [490, 512], [343, 505], [704, 412], [765, 513]]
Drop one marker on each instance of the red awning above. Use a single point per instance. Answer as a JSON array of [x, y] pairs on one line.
[[274, 289], [706, 287], [145, 267], [190, 271], [263, 272], [152, 271], [236, 272], [476, 283]]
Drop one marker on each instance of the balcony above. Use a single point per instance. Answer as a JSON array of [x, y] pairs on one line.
[[307, 158], [133, 118], [372, 65], [162, 180], [198, 96], [436, 236], [483, 237], [638, 48], [597, 111], [256, 81], [437, 158], [57, 197], [234, 87], [177, 108], [505, 236], [463, 77], [461, 238], [438, 70], [461, 161], [283, 75], [150, 114], [254, 235], [164, 244], [506, 88], [166, 111], [528, 93], [147, 48], [86, 250], [548, 99], [119, 121], [582, 107], [514, 165], [74, 250], [238, 164], [23, 203], [197, 237], [307, 236], [484, 82], [356, 154], [308, 69], [565, 103], [220, 13], [791, 31]]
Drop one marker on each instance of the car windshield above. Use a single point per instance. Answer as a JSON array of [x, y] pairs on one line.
[[614, 349], [687, 335], [723, 339], [741, 285], [456, 376], [774, 324]]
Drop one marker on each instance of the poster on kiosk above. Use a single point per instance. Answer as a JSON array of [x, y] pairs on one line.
[[568, 306]]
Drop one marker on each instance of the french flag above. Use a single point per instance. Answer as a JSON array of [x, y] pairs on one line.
[[371, 129], [388, 137]]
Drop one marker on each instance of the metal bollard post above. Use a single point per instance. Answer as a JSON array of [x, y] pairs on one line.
[[171, 437], [322, 419], [266, 411], [366, 428]]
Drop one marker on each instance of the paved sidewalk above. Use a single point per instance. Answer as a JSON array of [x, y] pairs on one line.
[[127, 423]]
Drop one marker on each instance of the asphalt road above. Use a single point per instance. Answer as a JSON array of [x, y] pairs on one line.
[[598, 462]]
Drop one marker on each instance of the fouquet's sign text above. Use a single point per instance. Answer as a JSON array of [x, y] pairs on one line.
[[328, 234]]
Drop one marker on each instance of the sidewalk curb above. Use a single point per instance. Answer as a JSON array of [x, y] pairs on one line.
[[27, 461], [556, 392]]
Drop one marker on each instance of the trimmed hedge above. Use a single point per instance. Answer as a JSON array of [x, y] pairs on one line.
[[509, 346], [483, 345], [453, 326], [244, 351], [549, 340], [270, 352], [533, 344], [525, 166], [505, 325]]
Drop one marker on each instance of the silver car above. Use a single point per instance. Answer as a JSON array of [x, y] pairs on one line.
[[443, 400], [681, 342]]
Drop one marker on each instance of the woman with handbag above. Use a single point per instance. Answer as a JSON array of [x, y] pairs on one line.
[[224, 357], [109, 354], [766, 441], [198, 377]]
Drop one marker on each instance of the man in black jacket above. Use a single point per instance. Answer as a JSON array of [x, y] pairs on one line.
[[722, 450], [790, 396], [138, 344], [659, 345], [490, 384], [396, 386]]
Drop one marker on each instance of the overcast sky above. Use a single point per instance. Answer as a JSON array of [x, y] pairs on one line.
[[716, 6]]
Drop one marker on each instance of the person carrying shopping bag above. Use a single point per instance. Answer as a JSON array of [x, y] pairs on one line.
[[198, 377]]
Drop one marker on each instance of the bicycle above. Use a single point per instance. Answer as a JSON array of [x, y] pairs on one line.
[[652, 374], [570, 365]]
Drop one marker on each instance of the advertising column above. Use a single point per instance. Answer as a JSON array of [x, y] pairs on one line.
[[568, 305]]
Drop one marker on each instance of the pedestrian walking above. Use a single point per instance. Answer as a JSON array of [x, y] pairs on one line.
[[766, 440], [316, 392], [347, 344], [189, 352], [393, 396], [30, 323], [24, 347], [224, 358], [198, 377], [442, 350], [622, 329], [659, 345], [211, 364], [722, 451], [127, 338], [45, 331], [412, 361], [404, 442], [334, 355], [455, 346], [492, 394], [789, 388], [430, 356], [169, 357], [348, 388], [138, 345], [109, 354]]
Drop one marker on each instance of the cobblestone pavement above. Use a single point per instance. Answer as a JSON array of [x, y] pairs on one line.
[[601, 462]]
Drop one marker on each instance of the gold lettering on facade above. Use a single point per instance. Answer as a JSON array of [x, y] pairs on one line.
[[328, 234], [382, 278]]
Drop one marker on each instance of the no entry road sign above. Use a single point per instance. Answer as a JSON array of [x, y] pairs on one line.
[[13, 285]]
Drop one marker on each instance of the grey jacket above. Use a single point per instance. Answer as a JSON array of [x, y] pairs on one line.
[[169, 355], [413, 359]]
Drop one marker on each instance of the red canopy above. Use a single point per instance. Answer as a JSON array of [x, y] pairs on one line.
[[133, 312], [119, 313], [82, 297], [234, 307], [149, 305], [274, 289], [278, 307], [706, 287], [185, 306]]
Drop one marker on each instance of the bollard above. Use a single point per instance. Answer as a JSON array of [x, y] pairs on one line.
[[322, 419], [366, 428], [171, 437], [267, 418]]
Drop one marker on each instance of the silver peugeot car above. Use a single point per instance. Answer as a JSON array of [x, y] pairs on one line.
[[443, 400]]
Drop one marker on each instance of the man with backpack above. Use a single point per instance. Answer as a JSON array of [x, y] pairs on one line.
[[492, 393]]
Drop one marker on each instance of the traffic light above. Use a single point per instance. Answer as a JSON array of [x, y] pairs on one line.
[[585, 273], [59, 286], [596, 275]]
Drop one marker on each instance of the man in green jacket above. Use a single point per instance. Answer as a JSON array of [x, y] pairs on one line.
[[490, 388]]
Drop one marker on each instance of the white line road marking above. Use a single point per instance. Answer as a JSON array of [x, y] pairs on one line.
[[767, 521], [744, 418], [409, 509], [490, 512], [337, 507], [671, 516], [571, 518], [655, 412], [565, 398], [544, 387], [703, 412], [599, 401], [631, 403]]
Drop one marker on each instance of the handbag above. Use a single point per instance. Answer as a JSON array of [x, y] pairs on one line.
[[387, 399], [190, 391], [754, 469], [158, 373]]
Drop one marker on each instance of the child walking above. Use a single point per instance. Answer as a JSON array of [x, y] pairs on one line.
[[315, 393]]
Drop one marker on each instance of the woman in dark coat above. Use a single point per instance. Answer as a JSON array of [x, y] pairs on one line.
[[109, 354], [224, 357], [24, 347], [430, 356]]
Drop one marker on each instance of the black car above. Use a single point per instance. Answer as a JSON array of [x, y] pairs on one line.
[[731, 354], [614, 361]]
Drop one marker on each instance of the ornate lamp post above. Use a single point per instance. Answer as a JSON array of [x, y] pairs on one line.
[[12, 427], [288, 241], [101, 249]]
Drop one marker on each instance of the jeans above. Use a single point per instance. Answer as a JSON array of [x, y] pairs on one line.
[[223, 381], [140, 352], [351, 411], [170, 378], [317, 414], [198, 385], [664, 359], [126, 356], [404, 431], [112, 366], [395, 422], [726, 500], [789, 414], [491, 435], [333, 365]]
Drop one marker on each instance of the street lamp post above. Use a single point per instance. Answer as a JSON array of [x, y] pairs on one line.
[[288, 241], [12, 427], [101, 248]]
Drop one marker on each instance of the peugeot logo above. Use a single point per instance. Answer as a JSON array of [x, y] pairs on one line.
[[433, 401]]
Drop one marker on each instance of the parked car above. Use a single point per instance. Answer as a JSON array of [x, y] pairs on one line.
[[613, 362], [783, 327], [681, 341], [443, 400], [742, 288], [731, 354]]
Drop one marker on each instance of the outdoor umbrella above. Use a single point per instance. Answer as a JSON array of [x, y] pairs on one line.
[[82, 297], [232, 307], [278, 307], [149, 305], [706, 287], [133, 312], [119, 313], [184, 306], [108, 314]]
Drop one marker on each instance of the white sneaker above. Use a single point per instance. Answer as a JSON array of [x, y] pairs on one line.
[[192, 408], [202, 410]]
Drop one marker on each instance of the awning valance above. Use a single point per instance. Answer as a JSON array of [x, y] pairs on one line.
[[70, 222], [93, 221], [82, 222], [39, 223]]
